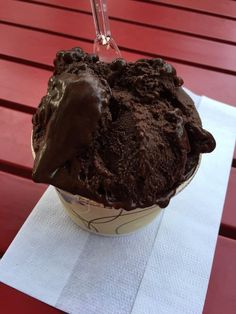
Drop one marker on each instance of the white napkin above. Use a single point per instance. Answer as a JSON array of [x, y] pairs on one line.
[[147, 272]]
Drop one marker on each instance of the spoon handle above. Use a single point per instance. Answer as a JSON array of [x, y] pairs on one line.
[[101, 21]]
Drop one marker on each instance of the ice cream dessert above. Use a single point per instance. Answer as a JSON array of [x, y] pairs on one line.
[[125, 135], [117, 140]]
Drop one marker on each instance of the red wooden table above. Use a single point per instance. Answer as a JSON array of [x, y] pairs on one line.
[[198, 37]]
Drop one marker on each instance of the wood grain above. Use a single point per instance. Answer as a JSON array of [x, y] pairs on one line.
[[225, 8], [221, 294], [20, 84], [228, 222], [152, 42], [13, 301], [158, 16], [15, 130]]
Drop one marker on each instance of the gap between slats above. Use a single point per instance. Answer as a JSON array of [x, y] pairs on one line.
[[15, 169], [17, 106], [26, 62], [227, 231]]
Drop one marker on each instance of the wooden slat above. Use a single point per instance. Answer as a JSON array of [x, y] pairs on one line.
[[37, 47], [221, 294], [160, 17], [210, 83], [18, 197], [229, 214], [224, 8], [22, 84], [201, 81], [15, 302], [174, 46], [15, 130]]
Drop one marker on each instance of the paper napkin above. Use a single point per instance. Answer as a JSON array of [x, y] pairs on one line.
[[151, 271]]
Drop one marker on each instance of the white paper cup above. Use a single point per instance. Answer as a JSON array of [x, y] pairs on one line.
[[96, 218]]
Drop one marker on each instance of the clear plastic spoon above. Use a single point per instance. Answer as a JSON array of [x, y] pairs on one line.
[[104, 45]]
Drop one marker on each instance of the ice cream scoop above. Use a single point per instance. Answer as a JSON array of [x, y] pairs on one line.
[[124, 135]]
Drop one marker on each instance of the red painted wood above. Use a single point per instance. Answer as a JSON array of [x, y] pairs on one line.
[[229, 213], [200, 81], [160, 16], [210, 83], [15, 127], [225, 8], [180, 47], [16, 302], [22, 84], [221, 294], [15, 130], [35, 46], [18, 197], [22, 43]]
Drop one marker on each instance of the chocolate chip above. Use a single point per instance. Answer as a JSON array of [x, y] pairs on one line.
[[118, 64]]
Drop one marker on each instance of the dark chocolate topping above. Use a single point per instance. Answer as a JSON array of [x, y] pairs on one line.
[[123, 134]]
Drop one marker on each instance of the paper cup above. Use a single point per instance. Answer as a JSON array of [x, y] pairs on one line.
[[96, 218]]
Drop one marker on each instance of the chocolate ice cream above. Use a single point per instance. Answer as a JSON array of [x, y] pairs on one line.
[[122, 134]]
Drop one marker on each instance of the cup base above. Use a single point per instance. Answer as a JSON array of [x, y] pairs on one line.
[[96, 218]]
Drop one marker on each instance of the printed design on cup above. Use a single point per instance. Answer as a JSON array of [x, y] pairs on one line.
[[119, 223]]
